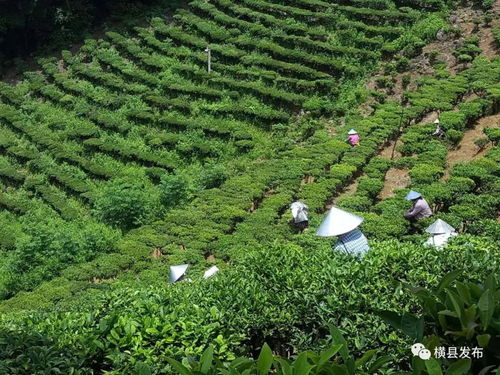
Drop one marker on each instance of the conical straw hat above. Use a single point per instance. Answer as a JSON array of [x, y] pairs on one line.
[[338, 222], [352, 131], [440, 227], [176, 272], [436, 121], [296, 207], [412, 195]]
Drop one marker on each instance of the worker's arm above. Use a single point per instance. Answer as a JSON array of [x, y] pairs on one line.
[[414, 211]]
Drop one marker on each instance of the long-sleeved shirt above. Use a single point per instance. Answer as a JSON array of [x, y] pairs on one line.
[[353, 139], [419, 210], [353, 242]]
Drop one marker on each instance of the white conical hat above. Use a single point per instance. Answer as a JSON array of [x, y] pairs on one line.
[[176, 272], [338, 222], [352, 131], [440, 227], [210, 272], [436, 121], [296, 207]]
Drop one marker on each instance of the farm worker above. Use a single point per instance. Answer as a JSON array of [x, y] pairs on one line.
[[300, 215], [178, 273], [353, 138], [420, 207], [344, 226], [441, 232], [439, 132]]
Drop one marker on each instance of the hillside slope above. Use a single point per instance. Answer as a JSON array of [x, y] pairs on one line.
[[130, 127], [129, 156]]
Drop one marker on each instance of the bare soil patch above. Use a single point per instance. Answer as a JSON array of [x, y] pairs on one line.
[[429, 118], [349, 190], [390, 151], [394, 179]]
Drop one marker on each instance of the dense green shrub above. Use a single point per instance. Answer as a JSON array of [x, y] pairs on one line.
[[435, 157], [405, 80], [468, 50], [10, 230], [342, 171], [459, 185], [49, 244], [454, 136], [496, 36], [357, 203], [260, 299], [423, 174], [493, 134], [174, 190], [487, 202], [464, 58], [472, 171], [267, 363], [126, 205], [459, 315], [402, 64], [384, 227], [404, 162], [370, 187], [411, 41], [377, 167], [485, 227], [453, 120], [212, 176]]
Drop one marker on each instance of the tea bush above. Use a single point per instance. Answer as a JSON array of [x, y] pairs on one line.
[[460, 315], [285, 295], [125, 205]]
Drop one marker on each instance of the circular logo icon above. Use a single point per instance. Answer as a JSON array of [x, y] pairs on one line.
[[416, 348], [425, 354]]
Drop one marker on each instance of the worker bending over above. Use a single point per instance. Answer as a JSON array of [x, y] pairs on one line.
[[420, 207], [353, 138]]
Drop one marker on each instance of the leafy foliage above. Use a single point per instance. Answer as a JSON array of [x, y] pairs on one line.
[[125, 205], [462, 315]]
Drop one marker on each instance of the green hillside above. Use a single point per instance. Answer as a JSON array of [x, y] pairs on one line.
[[133, 126], [130, 156]]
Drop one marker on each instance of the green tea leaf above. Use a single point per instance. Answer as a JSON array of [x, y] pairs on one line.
[[486, 307], [447, 280], [483, 340], [433, 367], [460, 367], [365, 358], [379, 363], [339, 370], [265, 359], [286, 368], [392, 318], [339, 339], [179, 367], [142, 369], [412, 326], [327, 354], [301, 365], [206, 359]]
